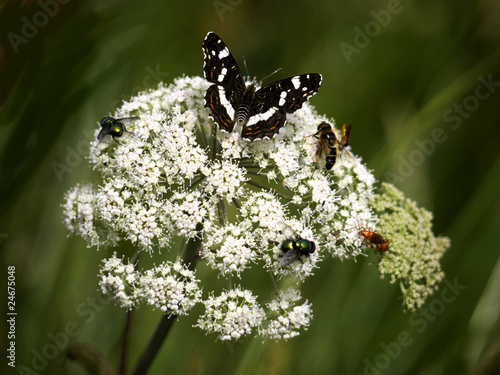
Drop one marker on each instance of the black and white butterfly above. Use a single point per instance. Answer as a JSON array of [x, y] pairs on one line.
[[260, 113]]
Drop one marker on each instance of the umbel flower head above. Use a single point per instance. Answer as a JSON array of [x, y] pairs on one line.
[[173, 177], [415, 251]]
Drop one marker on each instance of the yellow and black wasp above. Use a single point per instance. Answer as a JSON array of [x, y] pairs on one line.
[[329, 146]]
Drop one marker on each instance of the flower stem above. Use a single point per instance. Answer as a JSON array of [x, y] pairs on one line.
[[203, 137], [273, 281], [236, 203], [196, 182], [265, 188], [126, 337], [222, 213], [154, 345], [214, 139]]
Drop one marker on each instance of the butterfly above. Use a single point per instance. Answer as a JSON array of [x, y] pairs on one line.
[[260, 113]]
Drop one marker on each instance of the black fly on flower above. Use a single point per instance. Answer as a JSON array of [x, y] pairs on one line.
[[114, 127], [294, 247]]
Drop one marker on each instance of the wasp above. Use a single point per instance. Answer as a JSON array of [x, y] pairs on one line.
[[329, 146]]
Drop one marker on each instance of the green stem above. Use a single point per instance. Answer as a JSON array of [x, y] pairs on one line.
[[154, 345], [214, 145], [201, 131], [253, 166], [221, 210], [256, 184], [182, 248], [125, 342], [273, 281], [236, 203], [196, 182]]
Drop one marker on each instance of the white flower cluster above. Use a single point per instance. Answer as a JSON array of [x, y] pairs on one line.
[[170, 287], [174, 174], [120, 281], [287, 318], [233, 314]]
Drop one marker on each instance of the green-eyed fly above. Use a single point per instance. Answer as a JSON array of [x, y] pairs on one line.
[[294, 246], [114, 127]]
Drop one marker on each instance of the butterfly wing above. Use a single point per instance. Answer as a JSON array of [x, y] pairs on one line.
[[264, 125], [272, 102], [288, 93], [221, 69]]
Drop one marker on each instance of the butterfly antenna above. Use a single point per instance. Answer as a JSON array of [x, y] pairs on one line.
[[263, 79], [245, 63]]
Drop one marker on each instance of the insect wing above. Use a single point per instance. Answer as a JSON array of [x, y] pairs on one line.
[[272, 102], [126, 120], [286, 230], [103, 133], [226, 93], [346, 132], [288, 93], [344, 153], [289, 257], [220, 67]]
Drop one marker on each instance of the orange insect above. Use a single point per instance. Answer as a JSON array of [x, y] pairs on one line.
[[376, 240]]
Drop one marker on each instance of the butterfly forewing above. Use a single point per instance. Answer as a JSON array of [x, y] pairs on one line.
[[220, 68], [288, 93]]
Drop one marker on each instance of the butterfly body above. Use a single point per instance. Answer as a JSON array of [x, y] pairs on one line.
[[259, 112]]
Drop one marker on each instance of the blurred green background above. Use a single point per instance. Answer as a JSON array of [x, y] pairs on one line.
[[408, 75]]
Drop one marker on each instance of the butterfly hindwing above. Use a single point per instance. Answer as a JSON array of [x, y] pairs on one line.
[[219, 111], [264, 127]]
